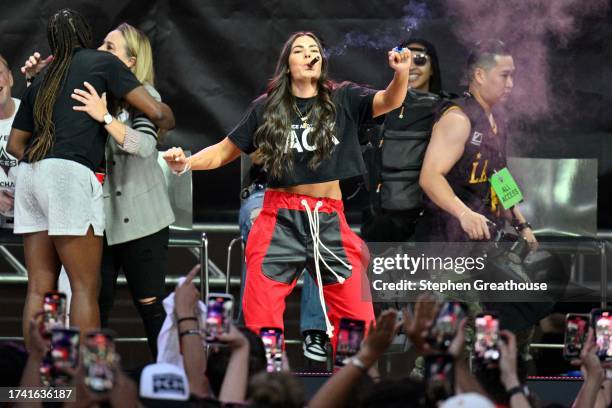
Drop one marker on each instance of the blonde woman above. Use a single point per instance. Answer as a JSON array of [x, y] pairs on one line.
[[136, 203], [138, 212]]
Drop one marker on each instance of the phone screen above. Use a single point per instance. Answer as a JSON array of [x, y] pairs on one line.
[[98, 360], [576, 327], [439, 377], [350, 337], [64, 353], [54, 312], [603, 332], [272, 338], [444, 327], [487, 335], [218, 316]]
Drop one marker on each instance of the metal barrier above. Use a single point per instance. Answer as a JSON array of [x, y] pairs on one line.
[[229, 261], [178, 239], [125, 339]]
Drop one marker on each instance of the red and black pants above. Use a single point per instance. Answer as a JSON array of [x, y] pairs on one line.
[[294, 232]]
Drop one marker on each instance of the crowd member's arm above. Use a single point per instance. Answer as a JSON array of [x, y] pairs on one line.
[[186, 297], [212, 157], [139, 140], [85, 398], [416, 325], [604, 396], [124, 392], [236, 378], [508, 371], [38, 348], [335, 392], [465, 381], [444, 150], [393, 96], [594, 374]]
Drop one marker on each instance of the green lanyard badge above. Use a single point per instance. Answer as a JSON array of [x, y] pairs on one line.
[[505, 187]]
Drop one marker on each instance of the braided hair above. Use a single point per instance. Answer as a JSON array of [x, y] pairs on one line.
[[67, 30]]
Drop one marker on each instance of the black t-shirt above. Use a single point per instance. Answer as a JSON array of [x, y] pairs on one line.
[[78, 137], [353, 108]]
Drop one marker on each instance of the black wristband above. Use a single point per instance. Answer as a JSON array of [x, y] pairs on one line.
[[182, 319], [189, 332], [515, 390], [523, 225]]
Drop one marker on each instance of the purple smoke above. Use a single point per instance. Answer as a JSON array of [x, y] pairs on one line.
[[529, 28], [414, 13]]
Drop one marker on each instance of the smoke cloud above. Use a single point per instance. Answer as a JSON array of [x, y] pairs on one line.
[[530, 28], [413, 14]]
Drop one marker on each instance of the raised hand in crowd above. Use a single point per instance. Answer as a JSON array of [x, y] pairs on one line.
[[465, 382], [417, 324], [508, 370], [235, 382], [37, 351], [593, 393], [186, 298], [123, 394], [186, 295], [335, 392]]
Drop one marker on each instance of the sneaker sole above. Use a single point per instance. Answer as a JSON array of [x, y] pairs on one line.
[[311, 356]]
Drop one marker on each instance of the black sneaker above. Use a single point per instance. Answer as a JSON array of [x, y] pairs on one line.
[[315, 345]]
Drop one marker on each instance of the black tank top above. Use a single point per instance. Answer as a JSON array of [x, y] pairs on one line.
[[484, 153]]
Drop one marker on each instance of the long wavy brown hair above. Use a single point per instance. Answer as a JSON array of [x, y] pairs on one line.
[[271, 137]]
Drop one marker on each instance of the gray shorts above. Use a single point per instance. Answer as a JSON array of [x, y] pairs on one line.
[[60, 196]]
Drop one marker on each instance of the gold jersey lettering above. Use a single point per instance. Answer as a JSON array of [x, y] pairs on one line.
[[483, 174], [494, 202]]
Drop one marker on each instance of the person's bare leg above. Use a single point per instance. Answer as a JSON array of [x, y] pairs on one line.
[[43, 267], [82, 257]]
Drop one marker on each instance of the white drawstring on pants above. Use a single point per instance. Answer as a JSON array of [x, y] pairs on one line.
[[313, 223]]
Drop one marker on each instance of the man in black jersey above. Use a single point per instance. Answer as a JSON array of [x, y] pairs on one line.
[[467, 146]]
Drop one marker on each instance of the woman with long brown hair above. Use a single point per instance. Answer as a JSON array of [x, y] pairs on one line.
[[304, 129]]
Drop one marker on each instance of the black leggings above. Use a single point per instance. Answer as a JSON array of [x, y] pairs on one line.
[[144, 262]]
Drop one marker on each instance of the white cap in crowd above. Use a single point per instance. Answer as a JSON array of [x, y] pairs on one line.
[[163, 381], [468, 400]]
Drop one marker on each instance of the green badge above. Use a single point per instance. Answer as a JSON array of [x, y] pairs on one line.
[[505, 187]]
